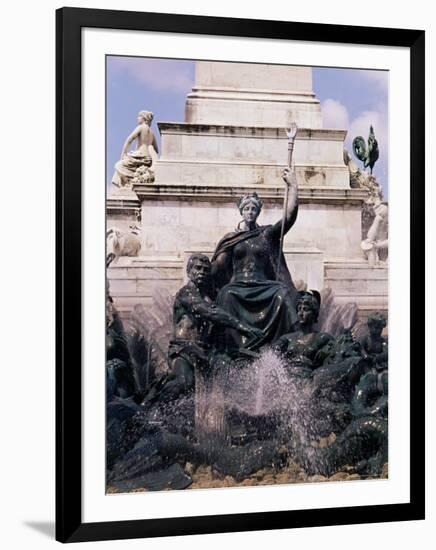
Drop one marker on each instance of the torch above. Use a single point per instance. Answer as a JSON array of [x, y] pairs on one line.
[[291, 133]]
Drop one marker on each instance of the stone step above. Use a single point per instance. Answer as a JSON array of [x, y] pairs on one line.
[[354, 270], [149, 273], [363, 300], [341, 274], [120, 287], [167, 268], [354, 281], [356, 287]]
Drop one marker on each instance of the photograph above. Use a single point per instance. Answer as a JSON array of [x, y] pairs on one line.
[[227, 226], [247, 274], [240, 242]]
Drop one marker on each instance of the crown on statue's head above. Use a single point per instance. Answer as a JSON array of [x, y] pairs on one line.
[[250, 197]]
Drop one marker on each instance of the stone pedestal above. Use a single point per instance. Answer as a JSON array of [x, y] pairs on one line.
[[355, 281], [135, 281], [194, 154], [122, 208], [259, 95], [179, 217]]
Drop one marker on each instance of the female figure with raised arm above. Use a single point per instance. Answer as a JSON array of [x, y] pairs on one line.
[[250, 271]]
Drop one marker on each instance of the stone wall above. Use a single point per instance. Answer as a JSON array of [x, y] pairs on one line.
[[175, 219]]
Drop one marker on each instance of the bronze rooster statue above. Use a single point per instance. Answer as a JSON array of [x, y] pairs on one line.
[[368, 155]]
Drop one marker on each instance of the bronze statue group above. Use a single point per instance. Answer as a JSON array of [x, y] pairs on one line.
[[235, 308]]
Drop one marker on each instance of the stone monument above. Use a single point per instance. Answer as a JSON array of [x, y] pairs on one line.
[[233, 142]]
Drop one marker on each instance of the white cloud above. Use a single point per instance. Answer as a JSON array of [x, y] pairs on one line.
[[334, 114], [158, 74]]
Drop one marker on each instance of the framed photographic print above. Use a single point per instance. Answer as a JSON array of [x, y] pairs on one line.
[[231, 309]]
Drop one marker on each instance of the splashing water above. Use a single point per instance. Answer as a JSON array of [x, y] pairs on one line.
[[269, 388], [260, 374], [209, 411], [238, 402], [266, 392]]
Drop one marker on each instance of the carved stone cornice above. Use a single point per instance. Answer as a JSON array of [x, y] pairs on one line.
[[123, 202], [227, 193], [184, 128]]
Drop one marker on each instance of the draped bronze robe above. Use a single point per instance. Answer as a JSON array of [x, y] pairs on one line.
[[269, 305]]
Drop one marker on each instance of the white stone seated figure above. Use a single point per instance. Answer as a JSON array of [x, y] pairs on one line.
[[137, 166], [377, 236]]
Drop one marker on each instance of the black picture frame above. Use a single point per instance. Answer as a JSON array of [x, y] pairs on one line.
[[69, 525]]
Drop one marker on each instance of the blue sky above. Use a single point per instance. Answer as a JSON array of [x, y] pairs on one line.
[[351, 99]]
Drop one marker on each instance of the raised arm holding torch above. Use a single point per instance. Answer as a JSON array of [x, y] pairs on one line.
[[291, 186]]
